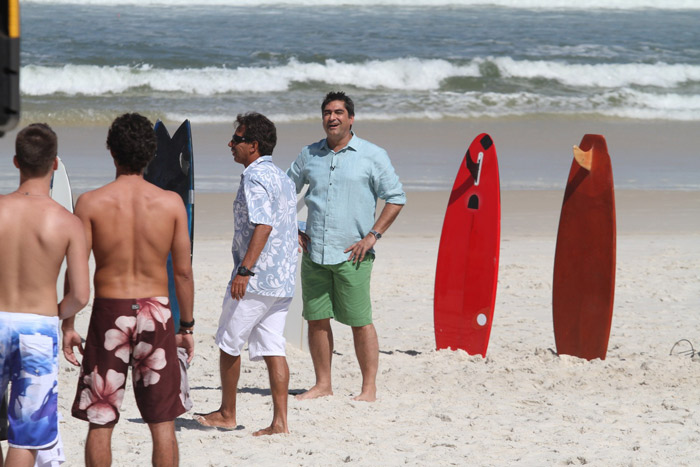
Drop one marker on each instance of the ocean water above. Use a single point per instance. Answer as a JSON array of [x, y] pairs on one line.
[[86, 61]]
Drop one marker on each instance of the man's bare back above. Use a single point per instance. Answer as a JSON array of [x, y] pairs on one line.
[[36, 234], [131, 226]]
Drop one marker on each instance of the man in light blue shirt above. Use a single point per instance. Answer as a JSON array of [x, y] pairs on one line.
[[346, 175], [262, 282]]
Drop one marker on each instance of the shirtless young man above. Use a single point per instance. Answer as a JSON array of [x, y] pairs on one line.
[[36, 233], [131, 226]]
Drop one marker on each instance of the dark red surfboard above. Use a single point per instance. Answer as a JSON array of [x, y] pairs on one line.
[[467, 265], [583, 288]]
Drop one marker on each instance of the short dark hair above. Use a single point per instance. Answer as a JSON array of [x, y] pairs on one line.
[[132, 141], [36, 147], [258, 128], [339, 96]]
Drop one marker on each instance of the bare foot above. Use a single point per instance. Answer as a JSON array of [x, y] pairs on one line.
[[271, 430], [215, 420], [313, 393], [366, 396]]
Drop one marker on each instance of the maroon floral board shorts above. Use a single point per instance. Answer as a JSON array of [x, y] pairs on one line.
[[137, 333]]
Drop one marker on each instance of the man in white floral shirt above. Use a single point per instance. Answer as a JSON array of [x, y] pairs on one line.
[[262, 283]]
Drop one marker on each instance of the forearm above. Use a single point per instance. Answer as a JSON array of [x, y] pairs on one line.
[[76, 292], [239, 284], [256, 245], [181, 251], [68, 323], [76, 286], [387, 217], [69, 306], [184, 291]]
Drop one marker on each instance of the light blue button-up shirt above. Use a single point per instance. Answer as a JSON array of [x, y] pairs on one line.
[[343, 191], [266, 196]]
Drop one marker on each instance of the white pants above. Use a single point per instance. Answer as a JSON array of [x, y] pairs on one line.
[[257, 319]]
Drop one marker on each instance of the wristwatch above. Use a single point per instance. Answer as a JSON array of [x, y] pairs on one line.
[[244, 271], [376, 234]]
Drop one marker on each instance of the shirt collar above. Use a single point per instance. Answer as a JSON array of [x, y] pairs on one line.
[[352, 144], [257, 161]]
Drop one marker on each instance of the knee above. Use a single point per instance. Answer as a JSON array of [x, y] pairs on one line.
[[320, 325], [366, 329]]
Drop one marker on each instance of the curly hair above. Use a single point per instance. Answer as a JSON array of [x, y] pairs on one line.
[[132, 142], [258, 128], [36, 147], [339, 96]]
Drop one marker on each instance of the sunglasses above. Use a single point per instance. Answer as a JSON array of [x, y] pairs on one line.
[[236, 139]]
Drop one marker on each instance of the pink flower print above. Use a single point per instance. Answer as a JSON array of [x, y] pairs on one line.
[[153, 310], [120, 339], [146, 362], [102, 397]]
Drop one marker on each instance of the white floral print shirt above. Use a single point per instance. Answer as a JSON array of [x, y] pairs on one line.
[[267, 196]]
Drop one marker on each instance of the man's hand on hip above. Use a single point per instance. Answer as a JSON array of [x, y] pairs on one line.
[[359, 249], [304, 241]]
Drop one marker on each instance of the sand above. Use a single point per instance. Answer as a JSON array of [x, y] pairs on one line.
[[521, 405]]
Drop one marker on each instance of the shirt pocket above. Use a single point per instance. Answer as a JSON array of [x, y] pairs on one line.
[[37, 353]]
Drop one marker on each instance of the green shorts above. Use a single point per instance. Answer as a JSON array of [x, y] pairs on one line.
[[338, 291]]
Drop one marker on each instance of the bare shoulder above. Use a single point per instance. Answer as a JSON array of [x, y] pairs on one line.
[[55, 219], [68, 219], [3, 203], [82, 204], [168, 200], [96, 201], [88, 199]]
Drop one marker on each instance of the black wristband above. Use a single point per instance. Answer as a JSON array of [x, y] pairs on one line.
[[187, 324]]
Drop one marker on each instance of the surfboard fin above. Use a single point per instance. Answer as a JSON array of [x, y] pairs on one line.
[[584, 158]]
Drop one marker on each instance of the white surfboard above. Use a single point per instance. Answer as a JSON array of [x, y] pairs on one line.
[[61, 193], [296, 331]]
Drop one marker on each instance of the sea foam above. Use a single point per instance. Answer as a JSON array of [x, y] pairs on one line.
[[405, 74]]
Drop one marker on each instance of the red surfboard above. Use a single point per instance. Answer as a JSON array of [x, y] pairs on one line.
[[467, 266], [583, 288]]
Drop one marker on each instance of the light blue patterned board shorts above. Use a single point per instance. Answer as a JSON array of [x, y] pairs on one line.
[[29, 363]]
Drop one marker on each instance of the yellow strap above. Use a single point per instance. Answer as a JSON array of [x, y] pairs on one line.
[[13, 18]]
